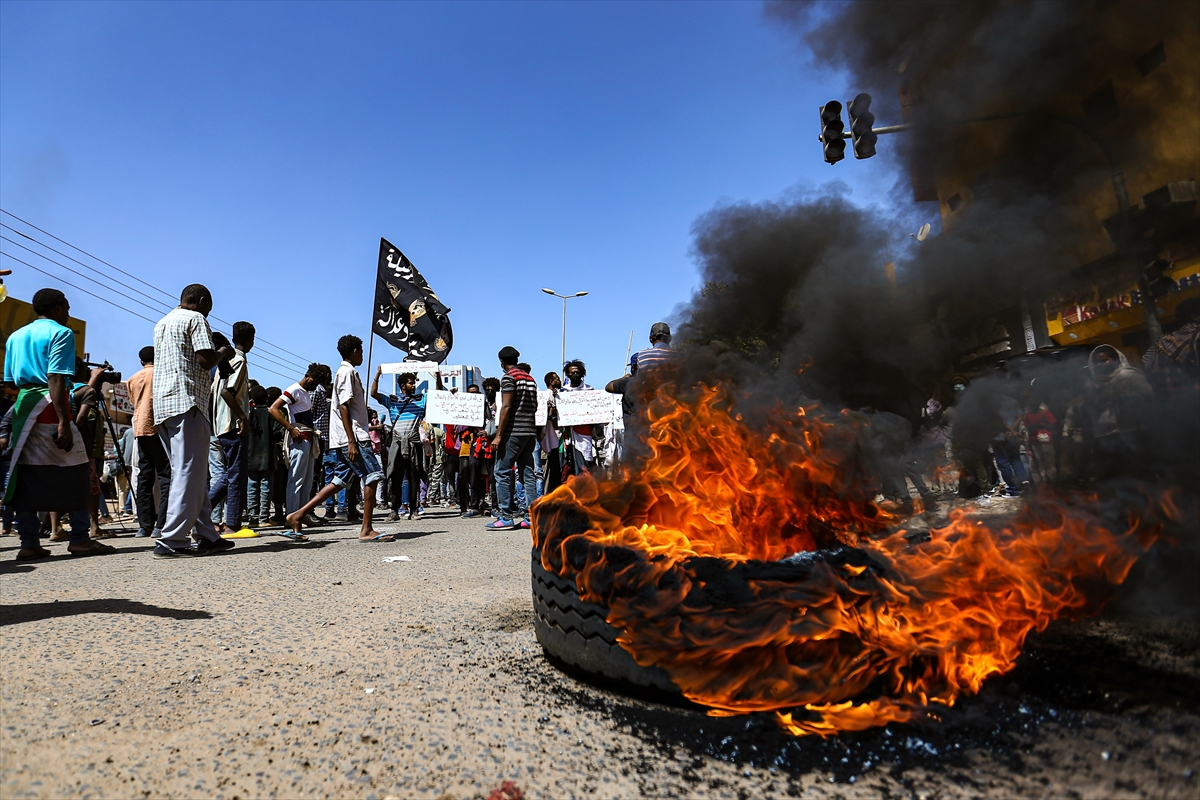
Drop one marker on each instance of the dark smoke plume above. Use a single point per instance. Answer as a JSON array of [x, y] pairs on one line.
[[795, 304]]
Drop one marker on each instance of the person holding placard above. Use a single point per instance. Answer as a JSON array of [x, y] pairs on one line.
[[583, 447], [406, 454], [514, 438]]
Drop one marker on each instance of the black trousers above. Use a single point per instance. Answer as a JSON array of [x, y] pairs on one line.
[[153, 464], [464, 483], [480, 471], [551, 471]]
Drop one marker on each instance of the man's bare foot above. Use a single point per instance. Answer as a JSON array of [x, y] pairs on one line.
[[375, 536], [295, 521]]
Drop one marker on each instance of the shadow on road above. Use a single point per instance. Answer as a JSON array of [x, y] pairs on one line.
[[33, 612]]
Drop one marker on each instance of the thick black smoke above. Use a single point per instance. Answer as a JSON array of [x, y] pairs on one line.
[[795, 304], [800, 287]]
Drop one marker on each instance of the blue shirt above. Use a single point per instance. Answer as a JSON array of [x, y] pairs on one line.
[[406, 414], [40, 349]]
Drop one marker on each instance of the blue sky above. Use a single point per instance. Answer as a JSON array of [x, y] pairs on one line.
[[264, 148]]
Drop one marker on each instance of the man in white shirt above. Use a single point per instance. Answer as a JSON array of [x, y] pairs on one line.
[[350, 441], [299, 425]]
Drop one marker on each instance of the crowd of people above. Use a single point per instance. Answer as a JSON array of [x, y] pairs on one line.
[[1060, 424], [214, 455]]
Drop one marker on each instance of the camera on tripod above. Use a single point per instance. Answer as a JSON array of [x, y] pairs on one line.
[[109, 375]]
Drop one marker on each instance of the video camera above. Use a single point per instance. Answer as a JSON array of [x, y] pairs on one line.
[[109, 375]]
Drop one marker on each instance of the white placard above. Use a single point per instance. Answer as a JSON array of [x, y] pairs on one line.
[[396, 367], [590, 407], [618, 416], [120, 399], [454, 408], [543, 407]]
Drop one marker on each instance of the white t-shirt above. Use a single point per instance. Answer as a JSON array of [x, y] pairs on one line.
[[298, 402], [347, 389]]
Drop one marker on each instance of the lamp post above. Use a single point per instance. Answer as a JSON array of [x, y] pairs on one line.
[[565, 298]]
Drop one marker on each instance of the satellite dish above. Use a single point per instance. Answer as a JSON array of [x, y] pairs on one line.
[[923, 233]]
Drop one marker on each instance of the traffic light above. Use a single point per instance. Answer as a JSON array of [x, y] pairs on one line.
[[831, 132], [861, 120]]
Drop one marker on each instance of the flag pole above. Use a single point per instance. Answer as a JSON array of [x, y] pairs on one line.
[[370, 350], [628, 352]]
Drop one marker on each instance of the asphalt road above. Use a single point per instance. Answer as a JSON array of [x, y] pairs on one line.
[[286, 671]]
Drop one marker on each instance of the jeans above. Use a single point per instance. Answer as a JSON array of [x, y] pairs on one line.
[[153, 464], [258, 493], [518, 451], [230, 486], [1012, 468], [29, 525], [300, 473], [337, 499], [216, 468]]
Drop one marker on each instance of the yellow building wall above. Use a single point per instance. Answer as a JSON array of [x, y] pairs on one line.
[[16, 313]]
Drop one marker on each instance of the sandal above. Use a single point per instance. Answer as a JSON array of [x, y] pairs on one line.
[[38, 553], [94, 549]]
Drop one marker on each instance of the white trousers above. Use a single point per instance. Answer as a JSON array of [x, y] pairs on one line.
[[185, 438]]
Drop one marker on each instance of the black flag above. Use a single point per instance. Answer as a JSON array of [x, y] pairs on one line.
[[407, 312]]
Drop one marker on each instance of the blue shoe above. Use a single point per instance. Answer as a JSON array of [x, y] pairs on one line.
[[166, 551], [142, 534], [524, 525], [500, 524], [472, 513]]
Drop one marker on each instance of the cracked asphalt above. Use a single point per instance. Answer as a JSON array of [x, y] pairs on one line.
[[281, 671]]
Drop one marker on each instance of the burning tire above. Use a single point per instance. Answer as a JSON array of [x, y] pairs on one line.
[[576, 633]]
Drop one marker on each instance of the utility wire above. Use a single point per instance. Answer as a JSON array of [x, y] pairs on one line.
[[85, 277], [134, 277], [265, 356], [116, 305], [73, 286], [80, 263]]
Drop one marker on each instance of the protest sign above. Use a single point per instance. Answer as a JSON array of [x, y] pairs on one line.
[[120, 399], [395, 368], [543, 408], [448, 408], [584, 408]]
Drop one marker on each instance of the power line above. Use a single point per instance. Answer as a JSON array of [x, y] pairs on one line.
[[266, 356], [115, 305], [80, 274], [80, 263], [127, 274], [73, 286]]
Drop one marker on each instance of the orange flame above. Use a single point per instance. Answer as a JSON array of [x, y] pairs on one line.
[[679, 545]]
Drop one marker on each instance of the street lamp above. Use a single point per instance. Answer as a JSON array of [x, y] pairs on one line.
[[565, 298]]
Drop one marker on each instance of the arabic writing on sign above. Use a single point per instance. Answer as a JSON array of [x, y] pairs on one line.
[[448, 408], [584, 408]]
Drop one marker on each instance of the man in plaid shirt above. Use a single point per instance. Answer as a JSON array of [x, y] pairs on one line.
[[184, 354]]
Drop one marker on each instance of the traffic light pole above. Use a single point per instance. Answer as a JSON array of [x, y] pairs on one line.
[[1124, 244]]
